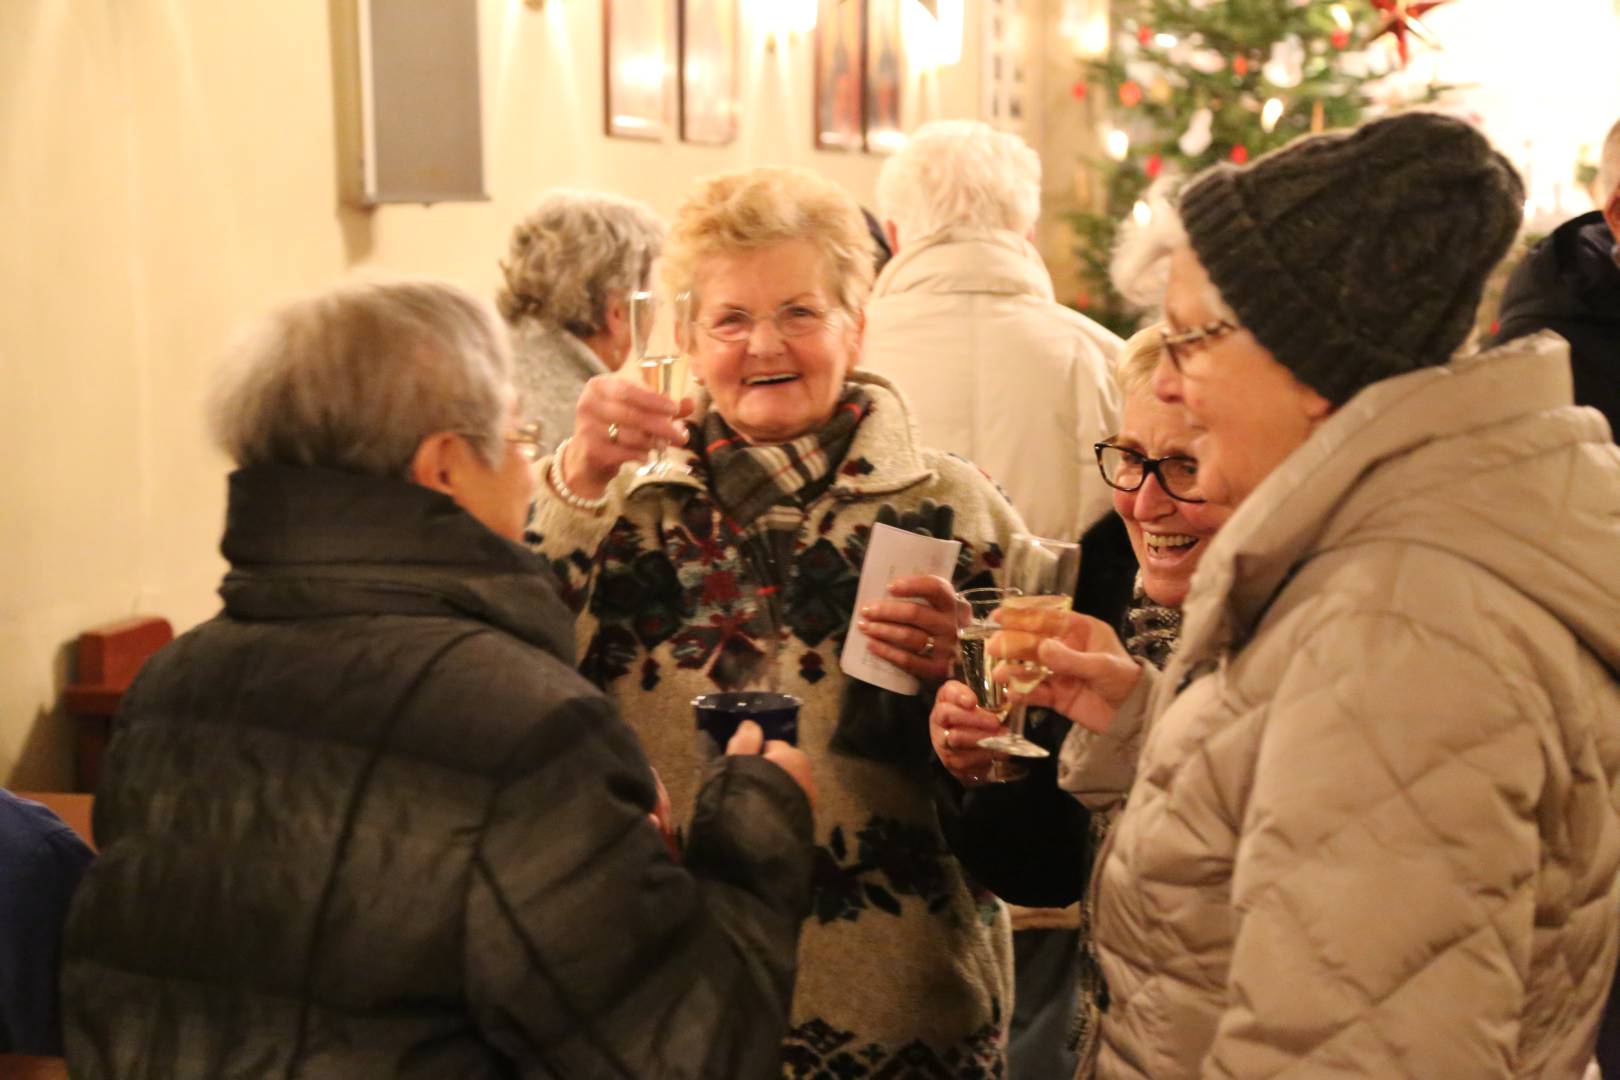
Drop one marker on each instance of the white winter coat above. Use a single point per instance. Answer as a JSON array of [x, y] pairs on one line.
[[995, 370]]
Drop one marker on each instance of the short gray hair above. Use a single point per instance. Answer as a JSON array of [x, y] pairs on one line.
[[571, 253], [960, 172], [354, 378], [1609, 168]]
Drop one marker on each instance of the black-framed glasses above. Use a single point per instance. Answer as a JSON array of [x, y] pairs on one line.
[[792, 320], [1179, 346], [1127, 470], [528, 437]]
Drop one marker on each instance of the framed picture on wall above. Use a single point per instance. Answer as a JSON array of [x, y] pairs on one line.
[[885, 72], [638, 62], [840, 63], [708, 34], [1005, 87]]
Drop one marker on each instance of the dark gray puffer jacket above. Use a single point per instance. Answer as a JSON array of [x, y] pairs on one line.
[[369, 822]]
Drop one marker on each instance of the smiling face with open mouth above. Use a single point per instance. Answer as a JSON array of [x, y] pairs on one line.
[[772, 387], [1169, 536]]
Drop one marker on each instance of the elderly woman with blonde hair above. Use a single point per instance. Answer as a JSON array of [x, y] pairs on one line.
[[741, 572], [570, 268]]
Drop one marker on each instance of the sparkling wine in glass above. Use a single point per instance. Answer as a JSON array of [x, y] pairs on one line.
[[1041, 575], [659, 333], [975, 627]]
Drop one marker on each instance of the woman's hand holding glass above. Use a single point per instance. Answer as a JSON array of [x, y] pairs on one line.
[[955, 726], [915, 631], [617, 421], [1089, 672]]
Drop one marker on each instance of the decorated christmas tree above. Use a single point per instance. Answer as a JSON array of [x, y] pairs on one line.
[[1188, 83]]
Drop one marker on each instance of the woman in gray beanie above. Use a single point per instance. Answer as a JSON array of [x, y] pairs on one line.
[[1371, 826]]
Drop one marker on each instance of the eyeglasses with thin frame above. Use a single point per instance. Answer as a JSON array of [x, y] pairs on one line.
[[791, 320], [1179, 346], [528, 437], [1124, 469]]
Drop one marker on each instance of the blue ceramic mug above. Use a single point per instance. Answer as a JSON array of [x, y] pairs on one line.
[[719, 714]]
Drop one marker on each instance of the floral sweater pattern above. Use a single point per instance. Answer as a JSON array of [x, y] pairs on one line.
[[905, 965]]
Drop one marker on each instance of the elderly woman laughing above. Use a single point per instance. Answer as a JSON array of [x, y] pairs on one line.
[[742, 573]]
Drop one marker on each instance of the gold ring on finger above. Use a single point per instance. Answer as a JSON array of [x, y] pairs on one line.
[[613, 434]]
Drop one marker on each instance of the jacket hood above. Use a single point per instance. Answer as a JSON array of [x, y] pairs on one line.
[[306, 542], [1569, 275], [965, 260], [1483, 457]]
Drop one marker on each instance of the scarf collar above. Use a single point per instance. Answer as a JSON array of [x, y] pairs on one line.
[[1150, 628], [750, 481]]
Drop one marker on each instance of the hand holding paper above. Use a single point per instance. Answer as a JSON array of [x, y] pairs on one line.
[[893, 554]]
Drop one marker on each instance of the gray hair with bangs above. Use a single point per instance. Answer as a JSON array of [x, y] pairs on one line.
[[355, 377]]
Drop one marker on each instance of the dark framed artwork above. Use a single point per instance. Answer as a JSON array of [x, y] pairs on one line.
[[708, 33], [637, 66], [885, 72], [840, 66]]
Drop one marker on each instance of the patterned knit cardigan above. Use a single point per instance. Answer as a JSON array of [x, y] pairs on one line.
[[904, 966]]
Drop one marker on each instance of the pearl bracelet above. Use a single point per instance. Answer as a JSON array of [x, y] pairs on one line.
[[564, 492]]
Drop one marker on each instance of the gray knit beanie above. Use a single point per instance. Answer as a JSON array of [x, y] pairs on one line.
[[1356, 256]]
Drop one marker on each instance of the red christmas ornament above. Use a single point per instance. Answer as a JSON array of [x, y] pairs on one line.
[[1144, 34], [1078, 90], [1082, 299], [1240, 66], [1130, 94], [1153, 166], [1340, 38], [1401, 18], [1240, 154]]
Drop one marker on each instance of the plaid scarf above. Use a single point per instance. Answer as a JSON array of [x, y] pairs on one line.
[[762, 490], [753, 482]]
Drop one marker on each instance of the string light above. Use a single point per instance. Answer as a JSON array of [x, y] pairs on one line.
[[1270, 114], [1118, 144]]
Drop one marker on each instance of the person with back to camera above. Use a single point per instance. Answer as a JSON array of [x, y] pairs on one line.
[[570, 267], [739, 570], [1030, 842], [1569, 283], [1371, 827], [368, 821], [964, 321]]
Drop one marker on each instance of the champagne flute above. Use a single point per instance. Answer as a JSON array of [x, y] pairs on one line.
[[975, 627], [659, 334], [1041, 575]]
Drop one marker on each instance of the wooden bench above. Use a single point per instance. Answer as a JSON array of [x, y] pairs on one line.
[[26, 1067], [108, 659]]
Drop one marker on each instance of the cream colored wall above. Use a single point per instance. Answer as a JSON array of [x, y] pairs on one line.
[[170, 169]]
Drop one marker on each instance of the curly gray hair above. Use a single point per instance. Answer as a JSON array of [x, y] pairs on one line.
[[573, 251], [354, 378]]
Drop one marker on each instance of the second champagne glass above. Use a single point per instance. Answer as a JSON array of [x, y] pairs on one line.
[[974, 629], [659, 335], [1042, 574]]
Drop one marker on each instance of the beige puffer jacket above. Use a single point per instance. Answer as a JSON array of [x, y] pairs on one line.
[[1378, 836]]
